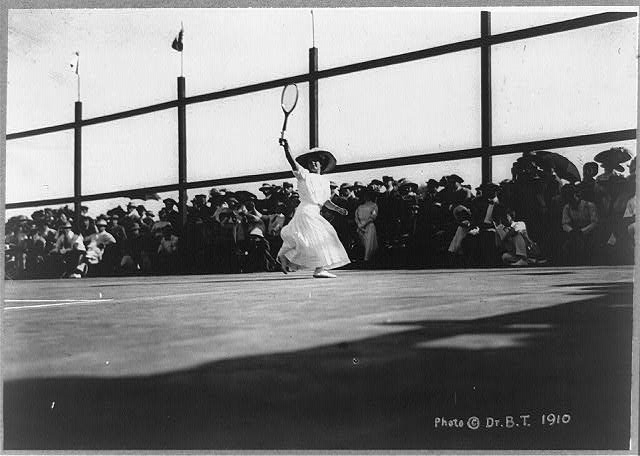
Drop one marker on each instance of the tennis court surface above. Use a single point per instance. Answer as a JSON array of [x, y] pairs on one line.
[[536, 358]]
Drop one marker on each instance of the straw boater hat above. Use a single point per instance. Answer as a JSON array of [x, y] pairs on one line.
[[326, 159]]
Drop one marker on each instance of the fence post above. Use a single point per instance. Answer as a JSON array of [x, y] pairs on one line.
[[485, 89], [313, 97], [77, 166], [182, 154]]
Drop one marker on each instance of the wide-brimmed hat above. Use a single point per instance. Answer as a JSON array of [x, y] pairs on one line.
[[287, 185], [386, 179], [170, 201], [345, 185], [615, 155], [406, 183], [376, 182], [101, 222], [454, 178], [326, 159], [358, 184], [432, 183], [488, 186], [243, 196], [266, 187]]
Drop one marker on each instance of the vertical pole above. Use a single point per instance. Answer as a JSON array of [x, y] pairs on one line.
[[313, 97], [77, 165], [182, 153], [485, 88]]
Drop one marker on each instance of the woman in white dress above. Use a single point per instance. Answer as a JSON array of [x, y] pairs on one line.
[[309, 240]]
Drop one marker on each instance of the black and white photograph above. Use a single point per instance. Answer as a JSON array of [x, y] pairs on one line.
[[314, 227]]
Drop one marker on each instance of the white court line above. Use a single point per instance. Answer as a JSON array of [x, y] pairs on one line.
[[43, 300], [58, 303]]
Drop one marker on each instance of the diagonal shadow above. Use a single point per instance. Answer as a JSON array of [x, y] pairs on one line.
[[383, 392]]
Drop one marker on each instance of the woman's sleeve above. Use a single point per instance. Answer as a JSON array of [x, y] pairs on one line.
[[301, 173]]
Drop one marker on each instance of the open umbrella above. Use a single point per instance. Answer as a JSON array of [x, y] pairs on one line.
[[565, 169], [614, 155], [142, 195]]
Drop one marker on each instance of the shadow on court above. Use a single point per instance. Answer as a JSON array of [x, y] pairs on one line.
[[572, 361]]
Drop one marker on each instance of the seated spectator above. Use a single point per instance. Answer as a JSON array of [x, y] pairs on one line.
[[579, 220], [168, 251], [512, 239], [462, 216], [87, 227], [485, 208], [69, 253], [260, 257], [96, 246], [116, 230]]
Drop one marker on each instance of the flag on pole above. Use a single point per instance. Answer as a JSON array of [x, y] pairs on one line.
[[177, 41], [75, 63]]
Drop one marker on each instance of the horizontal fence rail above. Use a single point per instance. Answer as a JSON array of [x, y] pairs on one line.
[[532, 32], [461, 154], [556, 27]]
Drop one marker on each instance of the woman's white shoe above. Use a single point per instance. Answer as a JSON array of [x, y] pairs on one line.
[[324, 275]]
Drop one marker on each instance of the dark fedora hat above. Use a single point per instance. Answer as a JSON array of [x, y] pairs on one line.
[[432, 183], [326, 159], [376, 182], [170, 201]]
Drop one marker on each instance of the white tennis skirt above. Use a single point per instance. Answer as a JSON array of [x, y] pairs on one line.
[[309, 241]]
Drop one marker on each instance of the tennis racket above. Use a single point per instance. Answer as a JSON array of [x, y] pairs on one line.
[[288, 101]]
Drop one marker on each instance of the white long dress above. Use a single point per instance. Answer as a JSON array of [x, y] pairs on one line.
[[309, 240]]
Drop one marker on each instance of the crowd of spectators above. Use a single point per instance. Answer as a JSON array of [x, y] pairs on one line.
[[545, 214]]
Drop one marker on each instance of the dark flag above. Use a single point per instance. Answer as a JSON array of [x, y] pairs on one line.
[[177, 41]]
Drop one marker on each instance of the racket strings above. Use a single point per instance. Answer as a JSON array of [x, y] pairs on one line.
[[289, 98]]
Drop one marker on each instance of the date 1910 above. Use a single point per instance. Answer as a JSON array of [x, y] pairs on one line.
[[523, 420]]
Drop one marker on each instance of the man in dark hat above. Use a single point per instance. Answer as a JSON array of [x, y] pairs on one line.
[[172, 215], [269, 203], [453, 192], [117, 230]]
